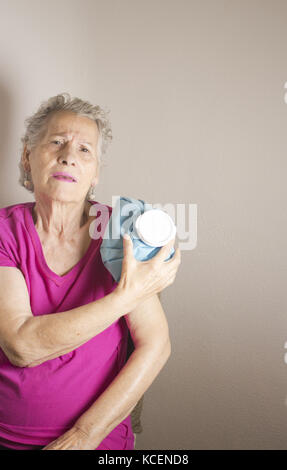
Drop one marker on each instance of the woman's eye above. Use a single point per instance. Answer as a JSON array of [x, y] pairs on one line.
[[83, 148]]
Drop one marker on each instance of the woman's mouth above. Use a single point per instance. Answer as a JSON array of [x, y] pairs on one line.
[[68, 179]]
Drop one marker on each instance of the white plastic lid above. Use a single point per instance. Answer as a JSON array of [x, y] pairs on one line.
[[155, 227]]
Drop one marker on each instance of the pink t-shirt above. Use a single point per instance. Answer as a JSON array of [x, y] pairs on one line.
[[38, 404]]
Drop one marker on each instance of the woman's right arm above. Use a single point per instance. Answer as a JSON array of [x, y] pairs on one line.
[[29, 340]]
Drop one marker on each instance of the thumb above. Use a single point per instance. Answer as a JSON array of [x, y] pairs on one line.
[[127, 246], [164, 251]]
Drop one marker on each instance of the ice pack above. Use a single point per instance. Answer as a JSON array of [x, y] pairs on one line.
[[149, 229]]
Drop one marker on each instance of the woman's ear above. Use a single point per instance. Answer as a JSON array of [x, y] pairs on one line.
[[25, 158]]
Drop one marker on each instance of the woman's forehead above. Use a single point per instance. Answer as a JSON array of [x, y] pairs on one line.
[[69, 124]]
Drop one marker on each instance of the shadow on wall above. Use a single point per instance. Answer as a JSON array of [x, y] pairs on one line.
[[7, 178]]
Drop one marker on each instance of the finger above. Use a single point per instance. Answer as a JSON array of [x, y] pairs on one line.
[[164, 251], [176, 257], [128, 249]]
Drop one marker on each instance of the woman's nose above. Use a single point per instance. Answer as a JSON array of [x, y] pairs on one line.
[[67, 154]]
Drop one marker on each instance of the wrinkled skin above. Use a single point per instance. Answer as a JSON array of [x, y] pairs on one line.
[[74, 439]]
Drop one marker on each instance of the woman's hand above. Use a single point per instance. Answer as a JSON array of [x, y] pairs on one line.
[[74, 439], [142, 279]]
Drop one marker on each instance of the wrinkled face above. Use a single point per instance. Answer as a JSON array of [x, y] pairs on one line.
[[68, 145]]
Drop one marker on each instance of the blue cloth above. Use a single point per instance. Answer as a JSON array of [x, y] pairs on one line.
[[122, 220]]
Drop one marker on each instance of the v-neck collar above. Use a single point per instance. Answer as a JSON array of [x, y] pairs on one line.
[[59, 280]]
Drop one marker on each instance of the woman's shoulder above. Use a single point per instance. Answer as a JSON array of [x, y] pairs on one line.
[[11, 233], [12, 220], [13, 210], [101, 207], [98, 203]]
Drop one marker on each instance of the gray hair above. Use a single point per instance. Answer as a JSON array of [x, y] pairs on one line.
[[36, 127]]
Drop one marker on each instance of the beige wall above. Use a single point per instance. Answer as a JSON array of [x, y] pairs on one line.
[[196, 92]]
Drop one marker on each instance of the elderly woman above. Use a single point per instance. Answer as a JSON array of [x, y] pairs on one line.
[[65, 383]]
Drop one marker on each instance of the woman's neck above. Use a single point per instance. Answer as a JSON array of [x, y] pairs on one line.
[[61, 219]]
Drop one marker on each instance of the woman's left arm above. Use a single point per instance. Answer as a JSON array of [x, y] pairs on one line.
[[150, 335]]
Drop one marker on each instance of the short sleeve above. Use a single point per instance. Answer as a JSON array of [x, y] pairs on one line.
[[5, 259]]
